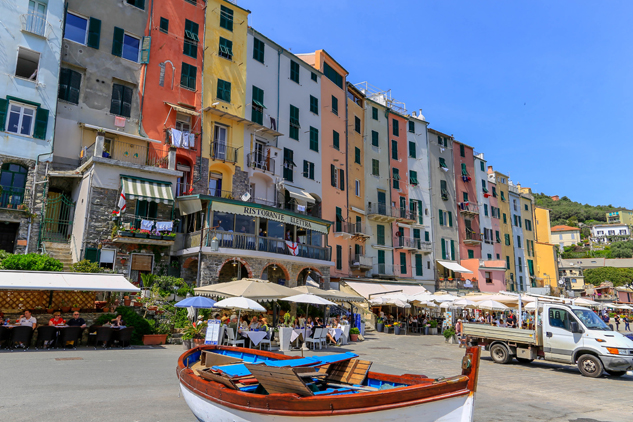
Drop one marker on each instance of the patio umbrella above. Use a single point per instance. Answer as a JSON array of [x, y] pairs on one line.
[[198, 302], [584, 302], [464, 303], [252, 288], [445, 305], [333, 295], [308, 299], [241, 304], [491, 305]]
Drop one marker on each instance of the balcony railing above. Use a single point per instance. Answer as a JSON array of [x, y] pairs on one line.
[[86, 153], [383, 269], [13, 198], [131, 153], [252, 242], [313, 210], [260, 162], [34, 23], [473, 236], [405, 214], [221, 151], [468, 207], [361, 261], [355, 229], [405, 242]]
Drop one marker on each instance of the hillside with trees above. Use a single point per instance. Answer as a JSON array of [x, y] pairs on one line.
[[571, 213]]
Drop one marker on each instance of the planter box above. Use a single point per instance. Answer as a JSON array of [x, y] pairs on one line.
[[380, 327], [141, 235], [388, 330], [433, 331], [397, 330], [187, 344], [154, 339], [168, 237], [151, 236], [353, 337], [138, 304], [127, 302], [126, 234], [452, 340], [284, 338]]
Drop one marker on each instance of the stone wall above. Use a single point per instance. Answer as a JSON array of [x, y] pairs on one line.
[[241, 183], [201, 175]]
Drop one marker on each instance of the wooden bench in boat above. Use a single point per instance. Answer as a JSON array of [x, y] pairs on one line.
[[281, 380], [209, 359], [353, 371]]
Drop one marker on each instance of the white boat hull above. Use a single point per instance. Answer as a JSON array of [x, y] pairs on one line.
[[454, 409]]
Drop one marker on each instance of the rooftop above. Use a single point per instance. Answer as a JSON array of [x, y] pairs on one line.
[[564, 229]]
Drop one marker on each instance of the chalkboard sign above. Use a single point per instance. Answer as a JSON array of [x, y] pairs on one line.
[[214, 330]]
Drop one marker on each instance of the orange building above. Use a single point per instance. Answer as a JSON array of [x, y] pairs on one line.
[[334, 154], [171, 89]]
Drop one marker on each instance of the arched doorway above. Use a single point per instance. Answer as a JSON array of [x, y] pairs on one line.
[[276, 273], [232, 270], [309, 273]]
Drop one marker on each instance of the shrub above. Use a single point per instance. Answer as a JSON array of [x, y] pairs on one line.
[[449, 332], [433, 323], [3, 255], [354, 330], [32, 262], [131, 319], [85, 266]]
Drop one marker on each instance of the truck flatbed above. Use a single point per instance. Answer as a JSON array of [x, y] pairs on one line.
[[512, 335]]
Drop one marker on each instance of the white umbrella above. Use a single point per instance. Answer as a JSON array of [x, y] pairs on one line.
[[491, 305], [464, 303], [308, 299], [241, 304], [446, 305], [584, 302]]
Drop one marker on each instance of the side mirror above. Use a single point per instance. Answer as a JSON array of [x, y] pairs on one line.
[[575, 328]]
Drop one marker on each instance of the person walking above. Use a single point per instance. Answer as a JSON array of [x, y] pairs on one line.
[[627, 320], [617, 322]]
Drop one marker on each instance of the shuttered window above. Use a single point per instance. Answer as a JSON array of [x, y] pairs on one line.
[[314, 104], [395, 125], [333, 175], [336, 143], [443, 249], [332, 75], [418, 265], [396, 178], [411, 126], [374, 113], [339, 257], [190, 43], [225, 49], [294, 71], [94, 33], [257, 107], [314, 139], [356, 124], [412, 152], [374, 138], [258, 50], [224, 91], [121, 102], [308, 170], [289, 164], [380, 234], [188, 77], [375, 167], [341, 181], [294, 123], [394, 150], [226, 18], [334, 105], [403, 263], [356, 155], [69, 85]]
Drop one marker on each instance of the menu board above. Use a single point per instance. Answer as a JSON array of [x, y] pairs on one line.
[[213, 331]]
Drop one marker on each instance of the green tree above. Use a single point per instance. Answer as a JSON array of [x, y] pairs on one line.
[[85, 266], [618, 276], [32, 262]]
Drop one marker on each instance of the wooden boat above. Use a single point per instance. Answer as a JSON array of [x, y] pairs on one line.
[[234, 384]]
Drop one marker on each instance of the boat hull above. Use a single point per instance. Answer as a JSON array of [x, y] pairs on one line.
[[457, 408]]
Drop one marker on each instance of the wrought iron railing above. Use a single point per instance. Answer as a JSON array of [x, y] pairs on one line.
[[405, 242], [468, 207], [221, 151], [361, 261], [474, 236], [383, 269], [312, 210], [382, 209], [261, 162], [13, 198], [34, 23]]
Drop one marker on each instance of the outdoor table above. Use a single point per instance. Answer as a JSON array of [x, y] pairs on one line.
[[299, 332], [335, 332], [254, 336]]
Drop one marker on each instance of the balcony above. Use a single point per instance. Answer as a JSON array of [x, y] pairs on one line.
[[472, 238], [405, 216], [468, 208], [34, 23], [424, 246], [222, 152], [13, 198], [381, 270], [260, 162], [381, 212], [144, 231], [130, 153], [312, 210], [406, 243], [361, 262], [455, 284], [348, 230]]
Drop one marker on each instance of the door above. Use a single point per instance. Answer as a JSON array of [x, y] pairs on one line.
[[219, 143], [58, 218], [215, 184], [381, 262], [382, 203], [36, 19], [403, 207], [145, 210], [259, 157], [558, 340], [8, 234]]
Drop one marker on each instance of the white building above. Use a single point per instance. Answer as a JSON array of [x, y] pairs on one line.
[[607, 233], [520, 264], [283, 141], [485, 210]]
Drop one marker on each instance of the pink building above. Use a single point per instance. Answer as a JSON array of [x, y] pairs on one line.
[[495, 219], [490, 275], [466, 194]]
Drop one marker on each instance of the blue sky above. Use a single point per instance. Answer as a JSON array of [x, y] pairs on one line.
[[541, 87]]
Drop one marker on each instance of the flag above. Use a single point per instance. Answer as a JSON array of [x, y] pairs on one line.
[[293, 247], [122, 202]]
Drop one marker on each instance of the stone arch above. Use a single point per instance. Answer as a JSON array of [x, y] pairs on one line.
[[230, 261], [300, 272], [284, 269]]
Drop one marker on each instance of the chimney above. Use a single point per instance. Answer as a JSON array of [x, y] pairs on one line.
[[490, 171]]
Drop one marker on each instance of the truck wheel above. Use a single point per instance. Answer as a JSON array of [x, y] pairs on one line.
[[524, 361], [499, 354], [590, 366], [615, 373]]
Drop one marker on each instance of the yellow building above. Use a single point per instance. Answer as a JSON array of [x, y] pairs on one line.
[[507, 239], [565, 236], [224, 84], [546, 263], [529, 234], [620, 217]]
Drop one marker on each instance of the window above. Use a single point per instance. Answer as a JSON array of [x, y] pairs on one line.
[[507, 262], [289, 164], [418, 265], [482, 166], [443, 163], [374, 138], [357, 124], [226, 49], [427, 236], [519, 244], [224, 91], [339, 257], [121, 102], [506, 236], [357, 187], [314, 76], [188, 78], [494, 192], [164, 25], [375, 167], [257, 105], [412, 152], [505, 219], [334, 105], [258, 50], [528, 225], [341, 181], [125, 45], [483, 186], [356, 155], [411, 126], [486, 210], [190, 46], [520, 262], [465, 196], [13, 182], [69, 85], [226, 18], [308, 170], [294, 123], [526, 207], [137, 3], [314, 139], [336, 143], [394, 150], [498, 237], [413, 177], [294, 71], [396, 178], [76, 28], [314, 104], [21, 118], [395, 125], [559, 318], [28, 63], [333, 175], [374, 113], [503, 196], [471, 254], [462, 150], [332, 75], [403, 263], [380, 234]]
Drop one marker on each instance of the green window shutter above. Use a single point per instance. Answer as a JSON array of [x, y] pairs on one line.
[[164, 25], [380, 234], [332, 75], [294, 71], [427, 236], [462, 151], [394, 149], [471, 254], [339, 219], [507, 262], [450, 219], [314, 76], [395, 127], [312, 171], [74, 86], [374, 138], [396, 178], [225, 48], [381, 257], [341, 181], [486, 210], [334, 105], [115, 101], [339, 257], [224, 90], [64, 84], [483, 166], [418, 265], [94, 33], [403, 263], [41, 123], [443, 163], [498, 236], [188, 77], [226, 18], [420, 217], [335, 139], [411, 126], [258, 50], [452, 250], [357, 155], [257, 108], [117, 42], [356, 124], [441, 218], [314, 139], [333, 175], [465, 196], [92, 254], [464, 171], [306, 168], [416, 233], [505, 219], [413, 177], [412, 152], [375, 167], [374, 113], [314, 105], [443, 249], [146, 44], [4, 106]]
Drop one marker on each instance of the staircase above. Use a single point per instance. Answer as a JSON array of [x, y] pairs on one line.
[[61, 252]]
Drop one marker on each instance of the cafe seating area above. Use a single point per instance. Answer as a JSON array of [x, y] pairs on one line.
[[63, 337]]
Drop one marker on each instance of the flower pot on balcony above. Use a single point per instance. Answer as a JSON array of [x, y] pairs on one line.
[[126, 234], [169, 237], [152, 236], [127, 302], [141, 235]]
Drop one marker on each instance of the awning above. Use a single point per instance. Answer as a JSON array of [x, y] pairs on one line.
[[119, 133], [299, 194], [48, 280], [189, 205], [182, 109], [453, 266], [376, 289], [148, 190]]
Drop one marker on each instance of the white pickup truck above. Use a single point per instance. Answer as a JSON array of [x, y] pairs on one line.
[[565, 334]]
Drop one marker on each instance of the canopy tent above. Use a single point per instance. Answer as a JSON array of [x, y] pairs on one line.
[[49, 280], [454, 266], [252, 288], [147, 190], [370, 290]]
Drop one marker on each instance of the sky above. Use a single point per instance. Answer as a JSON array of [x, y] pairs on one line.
[[541, 87]]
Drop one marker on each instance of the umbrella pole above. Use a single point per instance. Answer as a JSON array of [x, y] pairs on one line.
[[305, 330]]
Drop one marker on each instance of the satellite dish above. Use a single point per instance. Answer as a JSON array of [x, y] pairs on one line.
[[561, 282], [246, 197]]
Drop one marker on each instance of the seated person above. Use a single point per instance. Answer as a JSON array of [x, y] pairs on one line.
[[330, 337], [254, 324], [244, 323], [27, 320], [75, 321], [309, 322], [263, 326], [56, 320], [344, 320], [117, 322], [233, 325]]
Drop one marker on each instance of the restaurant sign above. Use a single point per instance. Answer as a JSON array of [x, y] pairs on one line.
[[269, 215]]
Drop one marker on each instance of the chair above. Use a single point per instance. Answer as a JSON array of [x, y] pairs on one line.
[[45, 334], [70, 335], [316, 338], [271, 332], [324, 334], [5, 335], [345, 335], [104, 334], [125, 336], [92, 334], [232, 341], [22, 335]]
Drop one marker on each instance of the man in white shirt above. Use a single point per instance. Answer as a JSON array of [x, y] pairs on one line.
[[27, 320]]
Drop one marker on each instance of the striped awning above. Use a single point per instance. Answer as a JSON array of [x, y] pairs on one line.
[[147, 190]]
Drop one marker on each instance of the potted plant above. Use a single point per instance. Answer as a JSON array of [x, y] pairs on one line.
[[187, 341], [388, 328], [397, 328], [75, 308], [353, 334], [50, 310], [126, 300], [65, 308], [380, 325], [155, 235], [142, 234], [196, 332], [433, 327], [449, 335], [169, 236]]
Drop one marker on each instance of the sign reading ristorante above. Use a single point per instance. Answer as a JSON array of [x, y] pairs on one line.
[[269, 215]]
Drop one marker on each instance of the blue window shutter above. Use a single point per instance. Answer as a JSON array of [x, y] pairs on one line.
[[145, 47]]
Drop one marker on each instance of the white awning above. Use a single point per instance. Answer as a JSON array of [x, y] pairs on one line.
[[182, 109], [48, 280], [299, 194], [377, 289], [189, 205], [117, 132], [453, 266]]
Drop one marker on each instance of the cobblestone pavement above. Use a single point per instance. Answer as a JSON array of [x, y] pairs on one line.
[[141, 385]]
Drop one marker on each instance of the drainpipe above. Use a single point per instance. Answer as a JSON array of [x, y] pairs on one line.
[[88, 208], [346, 161], [432, 214], [204, 219]]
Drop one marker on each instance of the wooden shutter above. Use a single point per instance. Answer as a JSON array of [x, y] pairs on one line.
[[145, 48], [117, 41], [341, 181], [452, 250], [333, 175], [94, 33], [115, 102], [416, 233], [92, 254], [141, 262], [339, 257], [357, 155], [403, 262], [126, 104], [441, 218], [336, 139], [412, 152], [74, 86], [427, 236], [418, 265], [443, 249], [450, 219], [394, 150], [306, 168], [4, 105], [41, 123], [64, 82]]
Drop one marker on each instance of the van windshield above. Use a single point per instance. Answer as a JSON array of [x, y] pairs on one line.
[[591, 320]]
